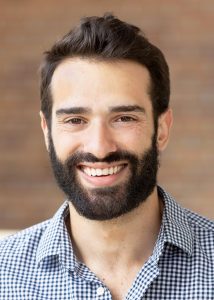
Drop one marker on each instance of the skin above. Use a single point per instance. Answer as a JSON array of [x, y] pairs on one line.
[[104, 91]]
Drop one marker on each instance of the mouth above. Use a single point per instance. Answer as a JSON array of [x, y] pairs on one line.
[[95, 172], [102, 175]]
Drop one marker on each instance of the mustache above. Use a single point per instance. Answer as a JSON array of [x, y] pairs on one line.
[[80, 157]]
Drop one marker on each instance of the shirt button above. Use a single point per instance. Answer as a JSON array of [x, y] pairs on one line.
[[100, 291]]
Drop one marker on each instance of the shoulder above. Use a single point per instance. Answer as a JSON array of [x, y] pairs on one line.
[[26, 245], [188, 229], [203, 231], [22, 244], [199, 223]]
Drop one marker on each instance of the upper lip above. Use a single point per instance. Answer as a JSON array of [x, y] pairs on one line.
[[101, 165]]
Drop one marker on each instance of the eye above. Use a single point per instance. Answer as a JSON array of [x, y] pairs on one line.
[[75, 121], [126, 119]]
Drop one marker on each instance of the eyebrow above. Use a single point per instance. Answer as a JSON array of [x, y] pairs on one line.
[[127, 108], [87, 110], [73, 110]]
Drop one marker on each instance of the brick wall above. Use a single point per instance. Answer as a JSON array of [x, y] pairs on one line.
[[182, 29]]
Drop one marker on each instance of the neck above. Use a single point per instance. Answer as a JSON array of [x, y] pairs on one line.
[[126, 240]]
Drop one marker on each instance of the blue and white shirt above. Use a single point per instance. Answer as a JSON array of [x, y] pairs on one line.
[[39, 263]]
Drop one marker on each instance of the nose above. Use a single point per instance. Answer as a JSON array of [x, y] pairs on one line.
[[100, 140]]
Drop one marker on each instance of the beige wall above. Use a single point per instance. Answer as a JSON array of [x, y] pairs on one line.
[[182, 29]]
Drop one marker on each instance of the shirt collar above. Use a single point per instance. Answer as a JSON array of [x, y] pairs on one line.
[[175, 226], [55, 241]]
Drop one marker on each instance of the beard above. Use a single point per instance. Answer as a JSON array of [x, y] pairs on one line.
[[106, 203]]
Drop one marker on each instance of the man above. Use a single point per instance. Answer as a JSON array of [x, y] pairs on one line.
[[106, 119]]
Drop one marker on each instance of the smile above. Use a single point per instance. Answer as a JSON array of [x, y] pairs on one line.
[[102, 172]]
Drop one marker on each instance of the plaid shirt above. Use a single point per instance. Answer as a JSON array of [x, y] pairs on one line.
[[39, 263]]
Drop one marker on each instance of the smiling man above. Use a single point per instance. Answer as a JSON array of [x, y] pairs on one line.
[[102, 142], [106, 119]]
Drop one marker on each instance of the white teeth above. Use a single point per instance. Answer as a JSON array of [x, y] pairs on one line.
[[99, 172], [105, 171], [88, 171], [93, 172], [102, 172]]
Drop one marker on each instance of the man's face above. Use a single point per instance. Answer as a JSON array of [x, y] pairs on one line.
[[102, 144]]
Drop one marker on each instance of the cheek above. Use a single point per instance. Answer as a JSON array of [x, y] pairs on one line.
[[64, 144], [134, 140]]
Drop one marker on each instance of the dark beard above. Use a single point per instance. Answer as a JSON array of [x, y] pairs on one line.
[[109, 202]]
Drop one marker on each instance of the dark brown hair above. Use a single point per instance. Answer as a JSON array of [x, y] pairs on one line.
[[108, 38]]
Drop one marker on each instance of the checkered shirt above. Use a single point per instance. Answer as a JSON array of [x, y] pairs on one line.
[[38, 263]]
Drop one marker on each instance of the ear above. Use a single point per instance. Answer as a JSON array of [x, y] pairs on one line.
[[164, 126], [44, 129]]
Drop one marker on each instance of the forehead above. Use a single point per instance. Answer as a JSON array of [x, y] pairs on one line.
[[84, 82]]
